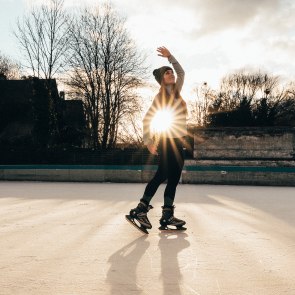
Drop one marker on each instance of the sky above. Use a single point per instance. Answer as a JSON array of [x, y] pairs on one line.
[[209, 38]]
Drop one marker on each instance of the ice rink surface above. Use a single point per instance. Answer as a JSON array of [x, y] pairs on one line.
[[72, 238]]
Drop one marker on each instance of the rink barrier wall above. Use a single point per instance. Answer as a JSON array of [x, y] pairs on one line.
[[241, 143], [192, 174]]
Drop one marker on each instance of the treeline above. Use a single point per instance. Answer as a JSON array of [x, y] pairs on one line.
[[245, 99]]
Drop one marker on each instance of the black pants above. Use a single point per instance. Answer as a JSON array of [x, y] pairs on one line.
[[171, 161]]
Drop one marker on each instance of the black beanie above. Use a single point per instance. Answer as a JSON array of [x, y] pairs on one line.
[[159, 73]]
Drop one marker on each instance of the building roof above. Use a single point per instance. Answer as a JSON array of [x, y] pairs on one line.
[[22, 90]]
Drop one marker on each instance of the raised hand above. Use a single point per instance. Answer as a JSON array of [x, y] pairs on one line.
[[163, 51]]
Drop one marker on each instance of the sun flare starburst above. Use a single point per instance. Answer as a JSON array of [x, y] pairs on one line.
[[162, 121]]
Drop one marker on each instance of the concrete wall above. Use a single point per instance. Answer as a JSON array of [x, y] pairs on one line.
[[243, 156], [198, 172], [77, 173], [248, 156], [280, 173], [244, 143]]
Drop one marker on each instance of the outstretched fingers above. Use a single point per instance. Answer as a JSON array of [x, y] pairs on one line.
[[163, 51]]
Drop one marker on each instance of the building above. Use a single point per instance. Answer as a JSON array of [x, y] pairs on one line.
[[32, 113]]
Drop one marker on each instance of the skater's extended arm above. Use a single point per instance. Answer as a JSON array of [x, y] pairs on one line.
[[164, 52], [147, 138]]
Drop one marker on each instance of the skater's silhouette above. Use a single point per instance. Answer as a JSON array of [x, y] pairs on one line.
[[166, 141], [170, 247], [122, 272]]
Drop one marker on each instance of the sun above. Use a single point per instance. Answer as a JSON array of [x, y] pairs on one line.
[[162, 121]]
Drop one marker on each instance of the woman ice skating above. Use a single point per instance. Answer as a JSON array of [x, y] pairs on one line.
[[164, 131]]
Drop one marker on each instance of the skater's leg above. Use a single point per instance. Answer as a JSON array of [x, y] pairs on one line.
[[170, 190], [140, 212], [160, 176], [153, 185], [175, 166]]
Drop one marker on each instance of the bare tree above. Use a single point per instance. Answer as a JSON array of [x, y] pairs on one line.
[[106, 68], [252, 99], [9, 68], [244, 87], [284, 105], [130, 130], [199, 107], [43, 37]]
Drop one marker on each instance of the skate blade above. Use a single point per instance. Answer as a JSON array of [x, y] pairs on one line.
[[140, 228], [169, 229]]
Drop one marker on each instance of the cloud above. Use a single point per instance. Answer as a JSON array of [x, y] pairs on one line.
[[212, 37], [219, 15], [213, 15], [283, 43]]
